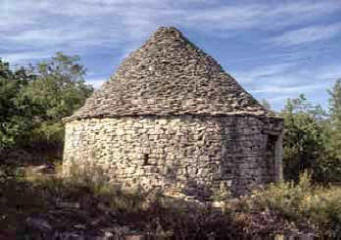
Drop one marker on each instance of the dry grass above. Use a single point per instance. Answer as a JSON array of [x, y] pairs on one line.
[[278, 208], [318, 206]]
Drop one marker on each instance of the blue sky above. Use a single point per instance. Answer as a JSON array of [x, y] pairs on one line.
[[275, 49]]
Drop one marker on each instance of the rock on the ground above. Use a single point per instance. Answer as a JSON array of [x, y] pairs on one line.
[[39, 224]]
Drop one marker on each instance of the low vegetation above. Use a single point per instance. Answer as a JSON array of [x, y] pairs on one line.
[[40, 206], [317, 206]]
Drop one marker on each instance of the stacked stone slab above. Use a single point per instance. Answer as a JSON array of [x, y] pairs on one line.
[[172, 118]]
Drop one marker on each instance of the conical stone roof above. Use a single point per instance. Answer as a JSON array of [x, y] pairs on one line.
[[169, 75]]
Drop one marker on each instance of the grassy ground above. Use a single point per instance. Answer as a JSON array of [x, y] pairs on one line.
[[40, 206], [76, 206]]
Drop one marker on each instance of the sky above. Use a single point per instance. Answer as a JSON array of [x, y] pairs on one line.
[[275, 49]]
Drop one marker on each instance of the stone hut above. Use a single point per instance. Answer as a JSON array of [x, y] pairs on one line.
[[172, 118]]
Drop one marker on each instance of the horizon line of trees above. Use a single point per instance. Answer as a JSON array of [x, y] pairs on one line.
[[33, 101]]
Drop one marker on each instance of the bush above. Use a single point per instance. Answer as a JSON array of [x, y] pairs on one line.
[[320, 207]]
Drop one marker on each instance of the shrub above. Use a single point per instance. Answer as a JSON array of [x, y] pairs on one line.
[[317, 206]]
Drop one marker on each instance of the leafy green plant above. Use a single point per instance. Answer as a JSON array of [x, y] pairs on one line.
[[33, 101], [303, 137], [58, 90], [303, 202], [15, 106], [223, 193]]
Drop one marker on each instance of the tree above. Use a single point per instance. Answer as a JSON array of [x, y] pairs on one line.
[[303, 138], [15, 106], [266, 104], [335, 117], [58, 90], [34, 101], [330, 164]]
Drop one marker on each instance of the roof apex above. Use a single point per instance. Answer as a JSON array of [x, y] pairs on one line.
[[166, 32]]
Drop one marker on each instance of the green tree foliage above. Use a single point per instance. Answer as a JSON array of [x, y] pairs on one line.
[[335, 117], [33, 102], [330, 164], [15, 106], [303, 138], [59, 89]]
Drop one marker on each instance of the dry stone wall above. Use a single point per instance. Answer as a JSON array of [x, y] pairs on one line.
[[194, 155]]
